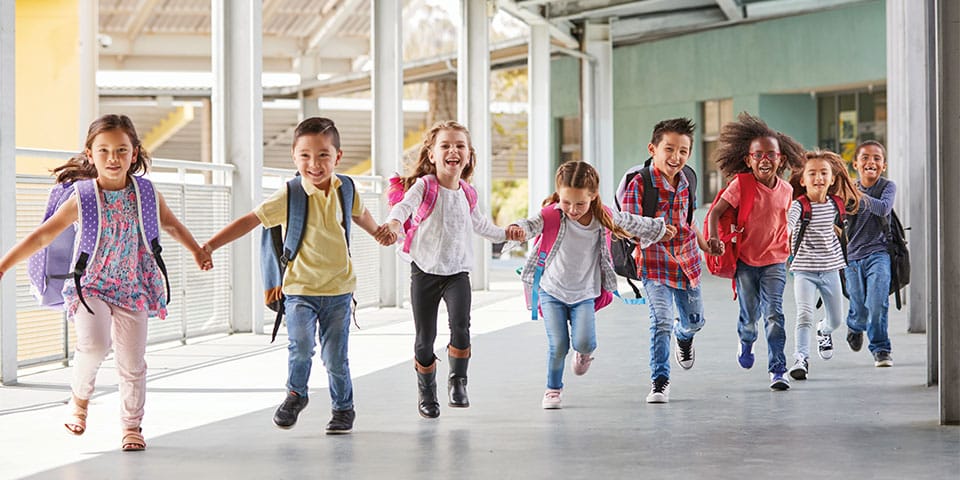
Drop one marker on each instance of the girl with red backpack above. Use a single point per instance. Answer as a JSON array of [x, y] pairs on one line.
[[567, 278], [441, 206], [755, 156], [122, 285]]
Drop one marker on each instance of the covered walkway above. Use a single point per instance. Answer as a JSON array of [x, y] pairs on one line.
[[211, 402]]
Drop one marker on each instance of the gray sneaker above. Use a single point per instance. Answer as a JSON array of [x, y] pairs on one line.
[[799, 369], [882, 359], [341, 422]]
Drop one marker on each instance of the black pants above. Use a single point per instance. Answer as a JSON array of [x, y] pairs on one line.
[[426, 290]]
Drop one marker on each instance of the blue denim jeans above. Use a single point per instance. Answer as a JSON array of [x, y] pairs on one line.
[[689, 320], [760, 290], [583, 330], [332, 314], [807, 287], [868, 284]]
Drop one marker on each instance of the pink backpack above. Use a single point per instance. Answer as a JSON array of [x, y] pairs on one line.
[[395, 192], [544, 243]]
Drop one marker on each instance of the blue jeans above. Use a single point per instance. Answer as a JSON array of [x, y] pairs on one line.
[[583, 330], [689, 320], [760, 290], [806, 286], [868, 284], [332, 314]]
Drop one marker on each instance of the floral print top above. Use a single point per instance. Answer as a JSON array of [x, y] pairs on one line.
[[123, 271]]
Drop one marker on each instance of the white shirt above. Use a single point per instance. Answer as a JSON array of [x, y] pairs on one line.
[[574, 274], [443, 244]]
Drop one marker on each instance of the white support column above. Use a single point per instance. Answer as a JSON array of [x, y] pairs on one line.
[[473, 109], [308, 66], [8, 195], [598, 87], [89, 58], [237, 102], [948, 232], [540, 124], [387, 147]]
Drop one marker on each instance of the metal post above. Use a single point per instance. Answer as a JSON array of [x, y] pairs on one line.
[[8, 195], [539, 153], [598, 44]]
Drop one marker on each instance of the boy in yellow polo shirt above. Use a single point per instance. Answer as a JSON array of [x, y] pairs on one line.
[[319, 282]]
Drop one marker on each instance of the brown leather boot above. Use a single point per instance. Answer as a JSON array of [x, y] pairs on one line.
[[428, 406], [457, 383]]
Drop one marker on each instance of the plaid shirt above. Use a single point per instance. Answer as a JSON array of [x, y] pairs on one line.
[[675, 263]]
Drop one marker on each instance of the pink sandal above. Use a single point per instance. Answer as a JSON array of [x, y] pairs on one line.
[[133, 440], [77, 422]]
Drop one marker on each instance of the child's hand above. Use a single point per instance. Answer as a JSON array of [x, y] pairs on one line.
[[385, 235], [669, 233], [715, 247], [515, 233], [203, 257]]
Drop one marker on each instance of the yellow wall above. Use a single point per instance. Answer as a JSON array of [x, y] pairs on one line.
[[47, 72]]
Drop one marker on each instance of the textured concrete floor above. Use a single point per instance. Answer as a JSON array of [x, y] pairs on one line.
[[210, 404]]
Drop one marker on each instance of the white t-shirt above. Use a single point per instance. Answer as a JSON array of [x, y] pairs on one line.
[[574, 273]]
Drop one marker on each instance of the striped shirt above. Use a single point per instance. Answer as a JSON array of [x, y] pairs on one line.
[[676, 263], [820, 249]]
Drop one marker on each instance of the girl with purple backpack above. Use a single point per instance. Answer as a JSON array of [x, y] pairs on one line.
[[441, 207], [122, 285], [568, 278]]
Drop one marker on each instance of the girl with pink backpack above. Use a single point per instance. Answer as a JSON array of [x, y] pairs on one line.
[[440, 204], [568, 278]]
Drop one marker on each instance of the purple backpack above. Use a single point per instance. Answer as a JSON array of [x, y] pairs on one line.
[[68, 255]]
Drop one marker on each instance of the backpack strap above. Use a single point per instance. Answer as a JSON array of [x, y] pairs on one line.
[[89, 203], [840, 220], [651, 195], [430, 193], [470, 193], [148, 211], [292, 237], [548, 236], [806, 212], [346, 193], [748, 194], [691, 192]]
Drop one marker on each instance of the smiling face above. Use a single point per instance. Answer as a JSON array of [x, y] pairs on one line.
[[112, 153], [817, 178], [869, 164], [575, 203], [316, 156], [671, 154], [450, 153], [764, 159]]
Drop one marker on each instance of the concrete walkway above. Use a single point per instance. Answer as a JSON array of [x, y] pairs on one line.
[[210, 405]]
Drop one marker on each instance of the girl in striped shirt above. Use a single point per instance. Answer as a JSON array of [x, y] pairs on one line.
[[823, 187]]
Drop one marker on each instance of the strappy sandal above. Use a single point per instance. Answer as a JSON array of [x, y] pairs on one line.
[[133, 441], [77, 422]]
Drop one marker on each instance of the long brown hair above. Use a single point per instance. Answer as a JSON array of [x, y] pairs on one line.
[[425, 167], [842, 187], [80, 167], [583, 175]]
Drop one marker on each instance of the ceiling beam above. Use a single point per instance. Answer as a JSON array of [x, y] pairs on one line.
[[532, 18], [731, 9], [632, 9], [163, 63], [783, 8], [332, 25], [142, 13], [658, 25], [188, 45]]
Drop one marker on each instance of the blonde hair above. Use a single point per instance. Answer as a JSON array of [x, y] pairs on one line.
[[842, 187], [425, 167], [583, 175]]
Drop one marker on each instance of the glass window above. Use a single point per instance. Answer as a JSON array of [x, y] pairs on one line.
[[716, 113], [846, 119]]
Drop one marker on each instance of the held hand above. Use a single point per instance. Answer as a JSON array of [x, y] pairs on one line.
[[715, 247], [203, 257], [384, 235], [515, 233], [669, 233]]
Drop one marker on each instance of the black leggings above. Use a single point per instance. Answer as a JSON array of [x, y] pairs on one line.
[[426, 290]]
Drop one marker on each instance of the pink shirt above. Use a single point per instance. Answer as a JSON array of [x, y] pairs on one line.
[[765, 240]]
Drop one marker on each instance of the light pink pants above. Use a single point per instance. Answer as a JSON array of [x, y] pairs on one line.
[[128, 330]]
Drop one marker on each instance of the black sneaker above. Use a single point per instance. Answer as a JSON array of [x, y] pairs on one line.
[[289, 410], [660, 390], [799, 369], [824, 345], [341, 422], [855, 340], [685, 353], [882, 359]]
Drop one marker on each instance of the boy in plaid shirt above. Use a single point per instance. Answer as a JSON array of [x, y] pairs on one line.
[[670, 270]]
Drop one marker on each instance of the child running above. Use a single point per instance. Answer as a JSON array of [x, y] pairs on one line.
[[577, 266], [123, 285], [319, 282], [825, 194], [441, 255], [756, 156], [868, 261], [670, 270]]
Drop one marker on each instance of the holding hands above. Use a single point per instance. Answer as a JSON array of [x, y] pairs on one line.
[[669, 233], [714, 247], [515, 233], [387, 233], [203, 257]]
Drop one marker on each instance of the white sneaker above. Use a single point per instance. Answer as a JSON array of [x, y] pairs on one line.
[[799, 369], [824, 345], [659, 391], [551, 399]]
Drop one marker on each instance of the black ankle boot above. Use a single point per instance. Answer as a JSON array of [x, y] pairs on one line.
[[428, 406], [457, 383]]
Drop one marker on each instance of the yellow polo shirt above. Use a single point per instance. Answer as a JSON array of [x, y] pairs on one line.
[[322, 267]]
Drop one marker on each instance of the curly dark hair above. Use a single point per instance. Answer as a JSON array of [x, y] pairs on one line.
[[734, 146]]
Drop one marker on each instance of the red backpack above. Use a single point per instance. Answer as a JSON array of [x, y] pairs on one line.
[[730, 230], [395, 192], [544, 243]]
